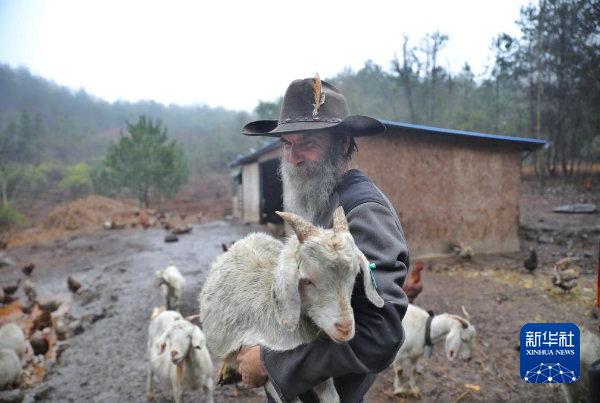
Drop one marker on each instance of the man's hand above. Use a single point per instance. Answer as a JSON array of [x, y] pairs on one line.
[[251, 368]]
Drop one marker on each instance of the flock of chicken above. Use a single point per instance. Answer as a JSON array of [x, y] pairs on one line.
[[564, 275], [40, 330]]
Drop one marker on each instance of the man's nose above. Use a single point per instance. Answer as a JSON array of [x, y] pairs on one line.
[[296, 155]]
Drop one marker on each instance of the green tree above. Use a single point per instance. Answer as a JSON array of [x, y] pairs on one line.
[[146, 161]]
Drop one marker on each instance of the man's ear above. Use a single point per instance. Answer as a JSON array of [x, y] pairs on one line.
[[344, 143]]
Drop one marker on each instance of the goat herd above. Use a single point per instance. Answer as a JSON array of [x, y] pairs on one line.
[[280, 295]]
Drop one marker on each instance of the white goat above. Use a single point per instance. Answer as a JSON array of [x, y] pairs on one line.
[[589, 353], [262, 292], [10, 369], [186, 364], [455, 330], [174, 283], [12, 337]]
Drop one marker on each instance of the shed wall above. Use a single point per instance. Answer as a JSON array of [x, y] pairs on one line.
[[447, 189]]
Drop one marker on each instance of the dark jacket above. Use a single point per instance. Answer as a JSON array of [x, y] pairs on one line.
[[354, 365]]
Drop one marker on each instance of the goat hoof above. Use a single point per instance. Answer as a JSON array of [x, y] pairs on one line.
[[415, 393], [399, 391], [150, 396]]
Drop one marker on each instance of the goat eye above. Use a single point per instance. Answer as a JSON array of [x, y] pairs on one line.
[[307, 282]]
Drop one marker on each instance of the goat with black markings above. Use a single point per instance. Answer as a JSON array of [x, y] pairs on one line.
[[456, 331]]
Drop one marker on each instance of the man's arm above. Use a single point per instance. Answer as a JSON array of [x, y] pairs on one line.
[[379, 332]]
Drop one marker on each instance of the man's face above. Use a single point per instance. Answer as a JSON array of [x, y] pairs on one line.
[[299, 148]]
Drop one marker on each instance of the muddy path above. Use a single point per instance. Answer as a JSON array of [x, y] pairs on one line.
[[107, 361]]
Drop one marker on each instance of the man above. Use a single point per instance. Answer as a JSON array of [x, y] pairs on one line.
[[317, 135]]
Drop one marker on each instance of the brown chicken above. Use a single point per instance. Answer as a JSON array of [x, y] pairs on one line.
[[145, 221], [74, 285], [42, 321], [414, 287], [27, 270]]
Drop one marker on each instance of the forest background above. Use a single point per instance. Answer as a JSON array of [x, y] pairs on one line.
[[543, 84]]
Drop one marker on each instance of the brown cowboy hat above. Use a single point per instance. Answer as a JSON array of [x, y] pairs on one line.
[[312, 104]]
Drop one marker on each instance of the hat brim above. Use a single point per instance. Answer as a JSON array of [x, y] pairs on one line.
[[356, 125]]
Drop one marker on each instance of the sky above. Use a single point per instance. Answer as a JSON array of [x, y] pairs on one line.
[[233, 53]]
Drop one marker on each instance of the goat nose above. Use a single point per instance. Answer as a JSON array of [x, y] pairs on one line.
[[344, 328], [173, 353]]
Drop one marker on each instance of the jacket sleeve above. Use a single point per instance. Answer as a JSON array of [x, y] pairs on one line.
[[379, 333]]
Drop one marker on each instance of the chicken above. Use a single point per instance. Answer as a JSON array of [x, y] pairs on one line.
[[29, 290], [7, 299], [531, 262], [11, 288], [51, 305], [462, 249], [74, 285], [565, 275], [27, 270], [28, 308], [414, 287], [42, 321], [39, 341], [145, 221]]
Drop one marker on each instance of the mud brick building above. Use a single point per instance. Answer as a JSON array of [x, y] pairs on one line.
[[446, 185]]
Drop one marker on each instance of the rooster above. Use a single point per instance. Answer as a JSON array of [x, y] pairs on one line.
[[73, 285], [414, 287], [565, 275]]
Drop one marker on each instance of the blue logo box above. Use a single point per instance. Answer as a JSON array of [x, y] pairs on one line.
[[550, 353]]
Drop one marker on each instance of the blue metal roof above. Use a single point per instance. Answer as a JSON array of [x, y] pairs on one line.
[[524, 143]]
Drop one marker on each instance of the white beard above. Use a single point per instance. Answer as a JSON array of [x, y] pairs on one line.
[[307, 187]]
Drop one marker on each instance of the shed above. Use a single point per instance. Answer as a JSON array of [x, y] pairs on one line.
[[447, 186]]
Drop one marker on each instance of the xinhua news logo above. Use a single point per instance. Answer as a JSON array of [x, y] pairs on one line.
[[550, 353]]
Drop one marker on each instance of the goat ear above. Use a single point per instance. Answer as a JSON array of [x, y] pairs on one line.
[[162, 342], [340, 224], [463, 322], [198, 338], [370, 289], [303, 229], [285, 294]]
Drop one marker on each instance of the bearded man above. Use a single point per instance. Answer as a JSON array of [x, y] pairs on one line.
[[317, 136]]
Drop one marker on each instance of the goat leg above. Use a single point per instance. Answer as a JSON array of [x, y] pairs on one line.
[[398, 388], [414, 389]]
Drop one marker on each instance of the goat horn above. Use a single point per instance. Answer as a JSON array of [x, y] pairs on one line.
[[340, 224], [466, 313], [301, 227], [462, 321]]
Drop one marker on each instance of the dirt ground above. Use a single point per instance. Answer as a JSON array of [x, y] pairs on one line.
[[107, 361]]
